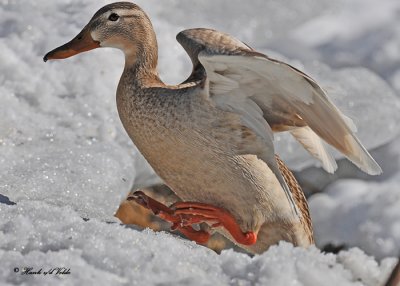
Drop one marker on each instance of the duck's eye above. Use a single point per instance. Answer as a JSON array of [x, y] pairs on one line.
[[113, 17]]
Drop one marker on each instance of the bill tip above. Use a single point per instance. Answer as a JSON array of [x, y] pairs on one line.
[[45, 58]]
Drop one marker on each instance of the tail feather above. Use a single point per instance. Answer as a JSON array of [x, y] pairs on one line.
[[315, 146]]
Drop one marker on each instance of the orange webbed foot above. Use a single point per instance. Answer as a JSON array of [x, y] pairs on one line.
[[167, 214], [215, 217], [183, 215]]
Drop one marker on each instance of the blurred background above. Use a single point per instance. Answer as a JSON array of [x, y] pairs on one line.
[[61, 141]]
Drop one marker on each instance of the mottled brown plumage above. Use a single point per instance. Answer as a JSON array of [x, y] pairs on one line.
[[299, 197]]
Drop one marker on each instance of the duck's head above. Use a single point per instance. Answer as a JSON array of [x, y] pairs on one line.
[[120, 25]]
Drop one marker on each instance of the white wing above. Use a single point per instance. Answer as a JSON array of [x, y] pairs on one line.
[[286, 98]]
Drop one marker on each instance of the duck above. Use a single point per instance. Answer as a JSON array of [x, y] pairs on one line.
[[211, 138]]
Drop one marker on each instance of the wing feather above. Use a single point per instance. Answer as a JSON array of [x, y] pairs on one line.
[[313, 144], [280, 90]]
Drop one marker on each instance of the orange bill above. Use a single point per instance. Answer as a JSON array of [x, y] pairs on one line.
[[81, 43]]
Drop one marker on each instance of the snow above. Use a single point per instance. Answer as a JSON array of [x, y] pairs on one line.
[[374, 211], [64, 155], [109, 254]]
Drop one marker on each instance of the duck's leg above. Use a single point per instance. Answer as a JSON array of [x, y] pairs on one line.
[[167, 214], [216, 217], [183, 215]]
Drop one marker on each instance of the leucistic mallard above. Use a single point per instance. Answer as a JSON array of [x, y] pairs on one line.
[[210, 138]]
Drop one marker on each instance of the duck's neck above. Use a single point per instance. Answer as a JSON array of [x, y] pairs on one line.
[[141, 59]]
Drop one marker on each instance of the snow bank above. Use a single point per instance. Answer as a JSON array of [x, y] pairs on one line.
[[64, 155]]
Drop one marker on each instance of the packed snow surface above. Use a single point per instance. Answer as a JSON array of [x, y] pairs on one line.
[[66, 162], [109, 254]]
